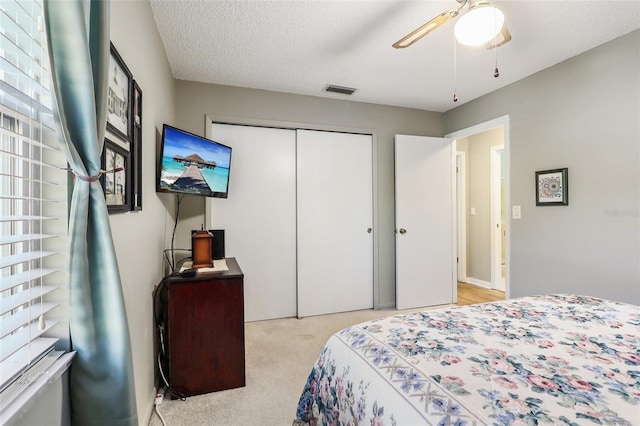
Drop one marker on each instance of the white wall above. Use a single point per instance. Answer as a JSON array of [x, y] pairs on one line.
[[140, 237], [582, 114]]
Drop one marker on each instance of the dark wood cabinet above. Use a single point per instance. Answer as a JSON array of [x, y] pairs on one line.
[[205, 331]]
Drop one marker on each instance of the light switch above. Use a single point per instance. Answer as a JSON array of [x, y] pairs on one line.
[[473, 211], [516, 213]]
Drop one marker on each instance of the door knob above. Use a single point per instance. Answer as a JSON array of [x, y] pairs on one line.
[[403, 231], [369, 230]]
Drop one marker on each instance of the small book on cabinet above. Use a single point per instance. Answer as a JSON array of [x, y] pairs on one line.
[[219, 265]]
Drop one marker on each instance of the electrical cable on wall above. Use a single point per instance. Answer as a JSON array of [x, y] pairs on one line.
[[168, 259], [173, 235]]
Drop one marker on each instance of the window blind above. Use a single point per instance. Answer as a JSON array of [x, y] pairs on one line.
[[33, 196]]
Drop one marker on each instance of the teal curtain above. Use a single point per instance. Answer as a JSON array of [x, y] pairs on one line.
[[101, 379]]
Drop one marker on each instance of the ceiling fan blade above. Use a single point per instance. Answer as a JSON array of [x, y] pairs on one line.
[[434, 23], [502, 38]]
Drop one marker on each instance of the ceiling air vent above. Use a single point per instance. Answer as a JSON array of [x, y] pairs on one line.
[[339, 89]]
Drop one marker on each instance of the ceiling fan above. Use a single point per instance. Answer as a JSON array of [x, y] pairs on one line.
[[481, 24]]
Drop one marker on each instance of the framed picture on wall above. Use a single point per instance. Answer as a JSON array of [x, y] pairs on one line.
[[136, 149], [552, 187], [115, 180], [119, 97], [137, 104]]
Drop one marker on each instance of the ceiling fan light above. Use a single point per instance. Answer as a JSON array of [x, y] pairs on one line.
[[479, 25]]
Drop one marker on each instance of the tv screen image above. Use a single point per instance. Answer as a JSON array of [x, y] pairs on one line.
[[190, 164]]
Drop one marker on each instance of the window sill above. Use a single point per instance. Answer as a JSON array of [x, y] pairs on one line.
[[23, 402]]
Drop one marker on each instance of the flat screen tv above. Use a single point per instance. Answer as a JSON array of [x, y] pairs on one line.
[[190, 164]]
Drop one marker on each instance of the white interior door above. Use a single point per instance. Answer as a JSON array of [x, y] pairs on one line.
[[425, 218], [335, 216], [259, 217]]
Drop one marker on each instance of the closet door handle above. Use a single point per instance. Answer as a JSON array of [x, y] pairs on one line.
[[403, 231], [369, 230]]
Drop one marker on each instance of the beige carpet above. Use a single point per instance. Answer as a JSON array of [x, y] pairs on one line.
[[279, 356]]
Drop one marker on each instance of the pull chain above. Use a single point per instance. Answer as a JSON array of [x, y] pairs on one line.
[[42, 323], [455, 71], [496, 72]]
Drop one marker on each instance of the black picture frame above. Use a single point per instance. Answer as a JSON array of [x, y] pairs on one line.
[[136, 149], [552, 187], [116, 183], [119, 94]]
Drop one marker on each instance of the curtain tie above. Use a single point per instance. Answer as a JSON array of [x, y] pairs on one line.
[[92, 178]]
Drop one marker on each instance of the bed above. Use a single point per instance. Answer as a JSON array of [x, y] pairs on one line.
[[553, 359]]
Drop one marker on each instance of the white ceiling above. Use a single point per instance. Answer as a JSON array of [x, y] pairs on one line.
[[300, 46]]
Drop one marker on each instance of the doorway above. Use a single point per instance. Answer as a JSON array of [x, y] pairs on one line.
[[461, 215], [495, 274], [498, 232]]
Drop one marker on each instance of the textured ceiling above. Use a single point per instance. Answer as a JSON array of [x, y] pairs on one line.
[[301, 46]]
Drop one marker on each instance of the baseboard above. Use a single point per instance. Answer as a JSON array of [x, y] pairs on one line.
[[480, 283]]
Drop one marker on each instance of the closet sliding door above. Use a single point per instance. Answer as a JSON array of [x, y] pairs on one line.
[[335, 221], [259, 217]]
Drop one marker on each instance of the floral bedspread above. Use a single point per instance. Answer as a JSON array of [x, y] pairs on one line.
[[556, 360]]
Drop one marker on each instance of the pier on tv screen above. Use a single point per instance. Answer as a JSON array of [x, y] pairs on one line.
[[190, 164]]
